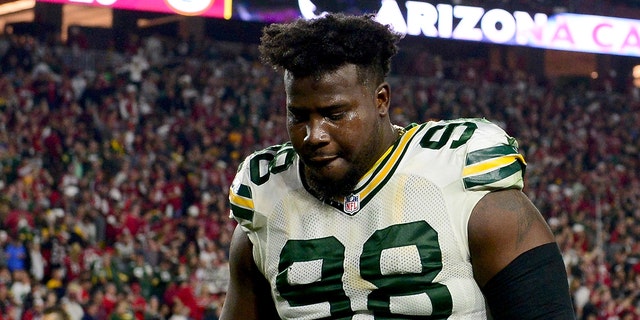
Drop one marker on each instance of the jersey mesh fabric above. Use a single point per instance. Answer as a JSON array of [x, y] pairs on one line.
[[399, 204]]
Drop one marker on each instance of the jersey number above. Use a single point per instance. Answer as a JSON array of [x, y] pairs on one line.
[[447, 131], [398, 291], [262, 165]]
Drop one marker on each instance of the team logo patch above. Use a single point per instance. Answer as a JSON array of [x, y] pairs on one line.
[[352, 204]]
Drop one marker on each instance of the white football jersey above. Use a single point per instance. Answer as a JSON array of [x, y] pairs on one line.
[[397, 248]]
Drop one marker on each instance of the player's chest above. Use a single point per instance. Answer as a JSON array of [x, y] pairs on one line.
[[379, 259]]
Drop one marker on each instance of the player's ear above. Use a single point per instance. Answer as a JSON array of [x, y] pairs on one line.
[[383, 98]]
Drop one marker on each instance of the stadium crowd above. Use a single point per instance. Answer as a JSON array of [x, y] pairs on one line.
[[115, 166]]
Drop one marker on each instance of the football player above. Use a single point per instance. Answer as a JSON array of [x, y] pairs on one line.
[[357, 218]]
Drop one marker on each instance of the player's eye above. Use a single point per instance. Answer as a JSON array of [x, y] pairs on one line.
[[296, 116], [335, 116]]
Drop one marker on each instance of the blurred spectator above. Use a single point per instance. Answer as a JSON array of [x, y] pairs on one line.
[[16, 255], [91, 311], [122, 311], [36, 261], [6, 304], [20, 288], [55, 313], [152, 311], [34, 312], [71, 302]]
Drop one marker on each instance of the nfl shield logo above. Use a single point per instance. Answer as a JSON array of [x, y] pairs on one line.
[[352, 204]]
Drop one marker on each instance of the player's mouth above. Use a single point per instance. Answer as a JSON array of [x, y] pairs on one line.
[[320, 160]]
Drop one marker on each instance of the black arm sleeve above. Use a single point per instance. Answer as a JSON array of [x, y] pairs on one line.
[[533, 286]]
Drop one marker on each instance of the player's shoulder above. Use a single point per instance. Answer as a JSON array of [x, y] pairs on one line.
[[266, 169], [468, 133], [278, 157], [262, 176], [490, 157], [470, 124]]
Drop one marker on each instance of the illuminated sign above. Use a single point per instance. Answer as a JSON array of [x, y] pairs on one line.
[[565, 31], [206, 8]]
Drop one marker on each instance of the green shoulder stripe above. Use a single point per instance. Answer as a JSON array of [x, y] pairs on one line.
[[503, 177], [242, 213], [241, 202], [490, 153]]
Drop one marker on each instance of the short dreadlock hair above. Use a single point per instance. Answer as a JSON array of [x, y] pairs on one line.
[[313, 47]]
